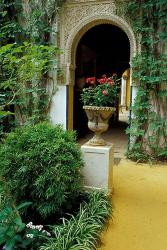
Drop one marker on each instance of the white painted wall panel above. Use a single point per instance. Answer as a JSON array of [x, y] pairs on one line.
[[58, 111]]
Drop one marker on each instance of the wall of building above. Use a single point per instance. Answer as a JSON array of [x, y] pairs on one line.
[[76, 18]]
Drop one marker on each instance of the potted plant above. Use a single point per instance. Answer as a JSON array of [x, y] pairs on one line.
[[99, 100]]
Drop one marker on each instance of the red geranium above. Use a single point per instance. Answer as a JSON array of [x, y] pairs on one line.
[[110, 82], [91, 80], [101, 92], [104, 80], [105, 92]]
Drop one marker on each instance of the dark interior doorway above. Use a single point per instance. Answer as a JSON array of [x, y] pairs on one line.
[[104, 49]]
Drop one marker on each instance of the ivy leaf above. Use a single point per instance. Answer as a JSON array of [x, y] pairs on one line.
[[162, 93]]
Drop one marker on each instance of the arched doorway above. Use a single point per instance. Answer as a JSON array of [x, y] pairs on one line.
[[103, 49], [73, 27]]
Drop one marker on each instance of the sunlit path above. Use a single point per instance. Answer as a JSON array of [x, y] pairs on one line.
[[140, 207]]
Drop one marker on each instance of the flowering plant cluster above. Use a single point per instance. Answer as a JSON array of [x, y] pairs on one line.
[[18, 235], [36, 230], [100, 92]]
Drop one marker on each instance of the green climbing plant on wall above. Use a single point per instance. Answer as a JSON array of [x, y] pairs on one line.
[[28, 56], [23, 67], [148, 128]]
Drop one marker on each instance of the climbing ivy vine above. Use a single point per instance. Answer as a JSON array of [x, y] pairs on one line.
[[148, 128], [28, 55]]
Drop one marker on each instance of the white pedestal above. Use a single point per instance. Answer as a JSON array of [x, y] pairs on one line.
[[98, 169]]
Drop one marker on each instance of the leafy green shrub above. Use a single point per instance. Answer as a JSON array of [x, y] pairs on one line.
[[12, 228], [14, 233], [41, 164], [82, 232]]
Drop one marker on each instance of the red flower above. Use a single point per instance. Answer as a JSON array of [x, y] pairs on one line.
[[91, 80], [110, 82], [105, 92], [102, 80]]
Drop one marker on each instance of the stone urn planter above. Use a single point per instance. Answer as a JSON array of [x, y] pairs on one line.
[[98, 118]]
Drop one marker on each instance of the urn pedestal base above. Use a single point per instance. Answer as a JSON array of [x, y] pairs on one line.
[[98, 169]]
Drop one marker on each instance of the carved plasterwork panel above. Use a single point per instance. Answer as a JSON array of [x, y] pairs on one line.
[[80, 16], [72, 13]]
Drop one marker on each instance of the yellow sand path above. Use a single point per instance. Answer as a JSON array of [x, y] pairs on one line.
[[140, 208]]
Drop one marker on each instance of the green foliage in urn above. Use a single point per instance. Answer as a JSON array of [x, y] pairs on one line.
[[101, 92], [41, 164]]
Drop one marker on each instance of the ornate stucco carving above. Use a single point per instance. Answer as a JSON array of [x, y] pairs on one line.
[[73, 14], [80, 16]]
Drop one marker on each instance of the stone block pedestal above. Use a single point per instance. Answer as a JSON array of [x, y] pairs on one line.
[[98, 169]]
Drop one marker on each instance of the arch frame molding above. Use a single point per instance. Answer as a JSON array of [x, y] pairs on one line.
[[69, 45], [76, 20]]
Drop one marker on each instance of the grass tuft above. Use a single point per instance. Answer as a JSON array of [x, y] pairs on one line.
[[82, 232]]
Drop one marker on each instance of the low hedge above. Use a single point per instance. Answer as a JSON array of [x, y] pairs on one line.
[[41, 164]]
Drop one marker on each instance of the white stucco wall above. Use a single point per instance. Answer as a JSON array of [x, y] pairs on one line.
[[134, 93], [59, 106]]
